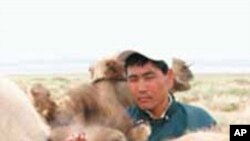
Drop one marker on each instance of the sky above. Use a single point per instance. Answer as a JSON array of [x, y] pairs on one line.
[[196, 30]]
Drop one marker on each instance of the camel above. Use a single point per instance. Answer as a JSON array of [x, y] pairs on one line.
[[19, 120]]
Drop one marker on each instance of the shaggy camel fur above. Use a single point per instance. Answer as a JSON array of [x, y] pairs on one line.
[[19, 120], [85, 108]]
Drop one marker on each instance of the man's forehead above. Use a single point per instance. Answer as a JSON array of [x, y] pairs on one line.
[[140, 70], [148, 65]]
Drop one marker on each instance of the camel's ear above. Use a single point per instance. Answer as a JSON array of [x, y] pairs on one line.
[[91, 71]]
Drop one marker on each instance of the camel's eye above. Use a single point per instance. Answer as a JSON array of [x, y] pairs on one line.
[[185, 68]]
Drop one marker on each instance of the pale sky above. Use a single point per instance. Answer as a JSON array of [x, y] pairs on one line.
[[192, 29]]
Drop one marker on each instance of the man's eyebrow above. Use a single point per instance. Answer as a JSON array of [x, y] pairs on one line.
[[148, 73], [132, 76], [142, 75]]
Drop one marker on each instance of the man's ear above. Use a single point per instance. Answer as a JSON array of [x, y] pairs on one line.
[[170, 78]]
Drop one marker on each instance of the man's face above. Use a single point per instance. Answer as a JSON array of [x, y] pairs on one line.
[[148, 86]]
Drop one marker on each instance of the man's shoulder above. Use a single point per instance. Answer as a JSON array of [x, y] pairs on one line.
[[198, 117], [191, 109]]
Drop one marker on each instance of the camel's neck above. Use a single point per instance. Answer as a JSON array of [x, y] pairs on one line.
[[107, 90]]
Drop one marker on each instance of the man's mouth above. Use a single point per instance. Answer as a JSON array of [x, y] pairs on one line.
[[144, 99]]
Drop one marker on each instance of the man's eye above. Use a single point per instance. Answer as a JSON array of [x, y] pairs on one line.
[[148, 77]]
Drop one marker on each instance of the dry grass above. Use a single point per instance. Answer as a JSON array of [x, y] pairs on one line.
[[56, 83], [225, 96]]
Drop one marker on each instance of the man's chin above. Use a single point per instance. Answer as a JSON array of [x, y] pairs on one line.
[[145, 106]]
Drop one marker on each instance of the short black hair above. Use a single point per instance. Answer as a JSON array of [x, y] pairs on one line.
[[137, 59]]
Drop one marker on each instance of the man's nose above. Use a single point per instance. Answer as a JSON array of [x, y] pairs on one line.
[[142, 86]]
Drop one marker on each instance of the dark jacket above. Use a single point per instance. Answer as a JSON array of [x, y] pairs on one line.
[[178, 119]]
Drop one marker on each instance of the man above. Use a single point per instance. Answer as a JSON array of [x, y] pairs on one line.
[[150, 81]]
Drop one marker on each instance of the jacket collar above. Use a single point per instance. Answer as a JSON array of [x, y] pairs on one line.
[[152, 116], [170, 109]]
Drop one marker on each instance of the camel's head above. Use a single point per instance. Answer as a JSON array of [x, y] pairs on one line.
[[107, 69], [183, 75], [39, 92]]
